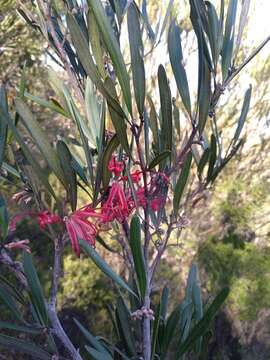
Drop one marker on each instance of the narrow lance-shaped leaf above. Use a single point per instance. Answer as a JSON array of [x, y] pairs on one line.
[[40, 138], [203, 161], [97, 355], [176, 59], [82, 48], [95, 41], [38, 170], [36, 293], [159, 158], [243, 115], [242, 24], [3, 125], [117, 120], [154, 124], [24, 347], [124, 324], [113, 49], [22, 328], [92, 108], [212, 157], [91, 338], [166, 109], [70, 174], [228, 40], [181, 183], [203, 325], [103, 266], [3, 219], [213, 31], [155, 331], [136, 54], [136, 248], [7, 299]]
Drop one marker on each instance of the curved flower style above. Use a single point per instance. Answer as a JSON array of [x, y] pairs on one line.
[[115, 166], [116, 207], [79, 227]]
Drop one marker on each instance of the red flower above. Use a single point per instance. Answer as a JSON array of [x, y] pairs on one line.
[[115, 166], [79, 227], [116, 207], [136, 176], [44, 218]]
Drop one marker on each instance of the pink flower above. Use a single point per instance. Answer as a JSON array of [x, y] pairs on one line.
[[44, 218], [115, 166], [79, 227], [136, 176], [116, 207], [22, 244]]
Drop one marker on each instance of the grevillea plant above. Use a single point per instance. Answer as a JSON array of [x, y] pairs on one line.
[[140, 176]]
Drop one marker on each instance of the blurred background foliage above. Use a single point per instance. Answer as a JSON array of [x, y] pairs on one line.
[[229, 232]]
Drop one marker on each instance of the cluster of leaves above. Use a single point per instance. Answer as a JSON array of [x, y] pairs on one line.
[[117, 119]]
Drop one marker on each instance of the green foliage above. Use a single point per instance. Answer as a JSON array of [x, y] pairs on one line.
[[85, 288], [245, 270]]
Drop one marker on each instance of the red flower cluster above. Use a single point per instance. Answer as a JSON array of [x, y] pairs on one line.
[[85, 223]]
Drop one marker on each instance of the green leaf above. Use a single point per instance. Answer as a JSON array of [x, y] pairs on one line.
[[12, 290], [40, 138], [91, 339], [136, 249], [113, 49], [166, 109], [176, 119], [82, 48], [228, 41], [109, 149], [203, 161], [154, 124], [24, 347], [47, 104], [3, 125], [204, 87], [3, 218], [164, 303], [243, 115], [155, 331], [202, 326], [95, 41], [10, 304], [117, 120], [4, 116], [242, 24], [103, 266], [181, 183], [172, 325], [97, 355], [213, 31], [136, 54], [159, 158], [212, 157], [36, 293], [23, 329], [93, 109], [65, 158], [166, 17], [124, 325], [176, 59], [11, 170]]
